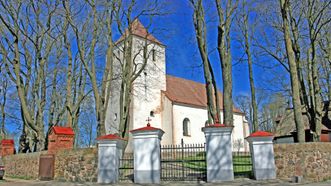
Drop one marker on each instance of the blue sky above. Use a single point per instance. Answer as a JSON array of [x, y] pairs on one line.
[[182, 55]]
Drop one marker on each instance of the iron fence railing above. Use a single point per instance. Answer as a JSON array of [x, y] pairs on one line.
[[126, 168], [184, 162], [242, 164]]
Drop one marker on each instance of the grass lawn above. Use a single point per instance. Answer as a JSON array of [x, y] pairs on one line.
[[242, 164]]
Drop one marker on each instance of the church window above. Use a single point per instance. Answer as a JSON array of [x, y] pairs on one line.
[[153, 54], [151, 114], [186, 127], [115, 117]]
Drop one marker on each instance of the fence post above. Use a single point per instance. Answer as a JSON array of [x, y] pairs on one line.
[[110, 149], [147, 159], [219, 153], [262, 150]]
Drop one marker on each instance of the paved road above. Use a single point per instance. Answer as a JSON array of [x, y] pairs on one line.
[[237, 182]]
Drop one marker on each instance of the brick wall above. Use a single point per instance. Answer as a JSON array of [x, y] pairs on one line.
[[310, 160], [57, 142], [24, 166], [76, 165]]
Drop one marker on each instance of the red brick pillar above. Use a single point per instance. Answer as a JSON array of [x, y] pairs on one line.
[[7, 147]]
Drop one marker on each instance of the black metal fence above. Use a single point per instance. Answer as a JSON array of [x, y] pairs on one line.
[[184, 162], [242, 164], [126, 168]]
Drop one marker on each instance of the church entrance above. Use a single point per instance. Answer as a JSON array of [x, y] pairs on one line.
[[184, 162]]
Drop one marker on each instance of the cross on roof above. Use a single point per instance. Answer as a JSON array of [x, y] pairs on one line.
[[148, 119]]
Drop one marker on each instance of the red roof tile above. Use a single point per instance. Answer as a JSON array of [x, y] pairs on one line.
[[139, 30], [189, 92], [7, 141], [109, 137], [216, 125], [63, 130], [147, 128], [261, 134]]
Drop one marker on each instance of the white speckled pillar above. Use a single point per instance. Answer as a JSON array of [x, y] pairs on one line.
[[219, 153], [262, 150], [147, 159], [110, 149]]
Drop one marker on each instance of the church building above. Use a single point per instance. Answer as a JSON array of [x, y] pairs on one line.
[[178, 106]]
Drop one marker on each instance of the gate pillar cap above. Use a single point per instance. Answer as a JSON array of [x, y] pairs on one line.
[[111, 139], [148, 130], [216, 128], [260, 136]]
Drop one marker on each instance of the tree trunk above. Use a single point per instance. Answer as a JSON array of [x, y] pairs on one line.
[[200, 29], [284, 6], [250, 72], [224, 51]]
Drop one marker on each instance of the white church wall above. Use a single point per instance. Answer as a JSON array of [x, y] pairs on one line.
[[238, 133], [112, 112], [147, 87], [198, 118], [167, 121]]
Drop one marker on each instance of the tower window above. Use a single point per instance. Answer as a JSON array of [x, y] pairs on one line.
[[186, 127], [115, 116], [151, 114], [153, 54]]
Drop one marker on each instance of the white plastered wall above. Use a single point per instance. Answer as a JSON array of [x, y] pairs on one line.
[[198, 118]]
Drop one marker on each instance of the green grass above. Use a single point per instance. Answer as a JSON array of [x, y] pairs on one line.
[[20, 177], [242, 165]]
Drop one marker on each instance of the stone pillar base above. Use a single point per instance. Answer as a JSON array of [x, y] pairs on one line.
[[220, 175], [147, 176], [262, 150], [109, 153], [147, 157], [219, 153]]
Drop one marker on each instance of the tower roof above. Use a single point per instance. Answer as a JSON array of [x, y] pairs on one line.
[[138, 29]]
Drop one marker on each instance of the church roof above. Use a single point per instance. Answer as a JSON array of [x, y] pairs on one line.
[[138, 29], [189, 92]]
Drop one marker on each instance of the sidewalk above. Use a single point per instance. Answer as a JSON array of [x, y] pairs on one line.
[[237, 182]]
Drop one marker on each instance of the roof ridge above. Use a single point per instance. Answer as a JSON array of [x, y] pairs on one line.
[[139, 30]]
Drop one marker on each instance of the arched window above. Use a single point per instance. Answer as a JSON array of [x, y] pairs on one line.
[[186, 127]]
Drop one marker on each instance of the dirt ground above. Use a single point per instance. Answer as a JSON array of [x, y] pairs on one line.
[[237, 182]]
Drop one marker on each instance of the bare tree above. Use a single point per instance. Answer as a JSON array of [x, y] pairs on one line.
[[225, 17], [211, 88], [285, 6], [246, 32]]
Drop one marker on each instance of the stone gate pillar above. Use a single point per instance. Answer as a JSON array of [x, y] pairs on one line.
[[110, 148], [219, 153], [262, 150], [146, 149]]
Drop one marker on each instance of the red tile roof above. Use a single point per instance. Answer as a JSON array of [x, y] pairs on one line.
[[189, 92], [139, 30], [63, 130], [109, 137], [261, 134], [147, 128], [7, 141]]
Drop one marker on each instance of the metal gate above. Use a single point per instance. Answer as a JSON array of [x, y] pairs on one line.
[[126, 168], [46, 166], [242, 164], [184, 162]]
